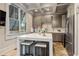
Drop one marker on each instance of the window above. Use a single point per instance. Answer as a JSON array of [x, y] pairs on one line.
[[22, 21], [13, 18], [17, 19]]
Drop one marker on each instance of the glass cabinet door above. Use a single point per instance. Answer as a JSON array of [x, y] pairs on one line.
[[22, 21], [13, 19]]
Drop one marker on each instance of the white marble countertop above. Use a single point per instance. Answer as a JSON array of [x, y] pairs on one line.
[[36, 35], [54, 30]]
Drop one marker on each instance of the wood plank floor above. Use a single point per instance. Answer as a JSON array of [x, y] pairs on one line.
[[59, 50], [9, 53]]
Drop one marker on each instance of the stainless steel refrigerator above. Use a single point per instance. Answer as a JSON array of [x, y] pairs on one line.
[[69, 36]]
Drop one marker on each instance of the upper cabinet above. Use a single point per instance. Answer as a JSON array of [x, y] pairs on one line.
[[70, 10], [57, 21]]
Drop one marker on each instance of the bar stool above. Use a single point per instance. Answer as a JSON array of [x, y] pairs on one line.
[[41, 47], [25, 48]]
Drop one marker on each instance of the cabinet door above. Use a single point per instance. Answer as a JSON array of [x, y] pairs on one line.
[[57, 21], [58, 37]]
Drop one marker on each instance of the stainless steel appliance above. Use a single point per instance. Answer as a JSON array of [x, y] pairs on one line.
[[69, 36]]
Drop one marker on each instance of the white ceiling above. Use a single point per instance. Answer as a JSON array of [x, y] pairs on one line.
[[41, 7], [38, 5]]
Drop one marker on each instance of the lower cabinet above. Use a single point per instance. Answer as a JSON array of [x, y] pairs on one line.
[[58, 37]]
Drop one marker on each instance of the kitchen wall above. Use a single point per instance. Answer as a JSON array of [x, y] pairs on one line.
[[3, 6], [29, 22], [5, 44], [77, 30]]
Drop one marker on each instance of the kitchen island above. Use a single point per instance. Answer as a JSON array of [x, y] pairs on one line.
[[36, 37]]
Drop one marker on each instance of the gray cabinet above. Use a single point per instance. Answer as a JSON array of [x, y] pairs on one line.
[[56, 21], [58, 37]]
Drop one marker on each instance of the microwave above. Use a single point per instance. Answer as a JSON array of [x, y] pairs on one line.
[[2, 18]]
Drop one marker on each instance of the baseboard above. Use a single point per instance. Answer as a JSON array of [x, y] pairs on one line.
[[6, 49]]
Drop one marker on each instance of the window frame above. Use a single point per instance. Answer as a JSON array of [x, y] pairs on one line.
[[8, 32]]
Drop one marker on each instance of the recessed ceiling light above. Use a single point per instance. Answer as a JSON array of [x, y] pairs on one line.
[[47, 9], [36, 10]]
